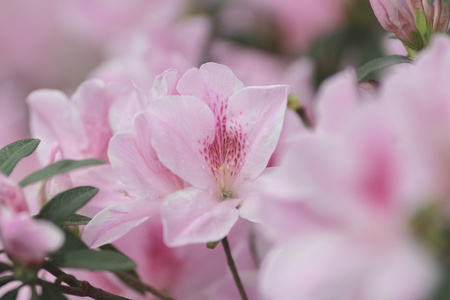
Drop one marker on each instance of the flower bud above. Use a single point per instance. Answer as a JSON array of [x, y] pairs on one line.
[[28, 241], [413, 21], [395, 16]]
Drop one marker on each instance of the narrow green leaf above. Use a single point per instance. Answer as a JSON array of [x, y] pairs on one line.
[[76, 220], [6, 279], [60, 167], [380, 63], [51, 291], [11, 154], [11, 295], [94, 260], [63, 205], [71, 243], [4, 267]]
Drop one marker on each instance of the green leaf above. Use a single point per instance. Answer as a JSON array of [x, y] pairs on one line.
[[11, 295], [60, 167], [380, 63], [6, 279], [51, 291], [76, 220], [4, 267], [424, 27], [11, 154], [63, 205], [71, 243], [94, 260]]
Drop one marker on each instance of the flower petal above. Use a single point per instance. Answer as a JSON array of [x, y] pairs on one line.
[[194, 216], [338, 99], [134, 160], [260, 112], [212, 82], [115, 221], [180, 127], [53, 119]]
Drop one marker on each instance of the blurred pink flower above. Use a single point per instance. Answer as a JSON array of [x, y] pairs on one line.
[[345, 192], [418, 101], [302, 22], [26, 240]]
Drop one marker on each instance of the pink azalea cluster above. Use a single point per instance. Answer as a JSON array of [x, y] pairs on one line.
[[329, 206]]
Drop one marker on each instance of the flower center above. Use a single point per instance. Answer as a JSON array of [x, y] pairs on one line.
[[225, 155]]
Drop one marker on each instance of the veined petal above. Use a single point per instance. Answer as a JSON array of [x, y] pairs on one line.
[[115, 221], [137, 165], [181, 127], [212, 83], [92, 101], [195, 216], [256, 116]]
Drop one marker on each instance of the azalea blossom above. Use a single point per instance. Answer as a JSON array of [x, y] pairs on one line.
[[343, 197], [217, 136]]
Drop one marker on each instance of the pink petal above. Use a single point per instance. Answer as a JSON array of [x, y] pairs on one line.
[[115, 221], [111, 189], [92, 101], [53, 119], [180, 127], [212, 82], [134, 160], [259, 111], [195, 216], [337, 99]]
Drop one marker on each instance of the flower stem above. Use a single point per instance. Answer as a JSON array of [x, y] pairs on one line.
[[233, 269]]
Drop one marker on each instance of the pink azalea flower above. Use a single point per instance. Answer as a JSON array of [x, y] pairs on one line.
[[420, 105], [77, 128], [217, 136], [342, 198]]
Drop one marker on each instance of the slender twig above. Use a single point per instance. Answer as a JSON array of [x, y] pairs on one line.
[[233, 269], [133, 281], [87, 290], [80, 288]]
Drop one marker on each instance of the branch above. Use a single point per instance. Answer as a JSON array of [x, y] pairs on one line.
[[133, 281], [233, 269], [80, 288]]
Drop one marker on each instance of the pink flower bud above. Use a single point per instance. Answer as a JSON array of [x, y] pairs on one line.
[[395, 16], [26, 240]]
